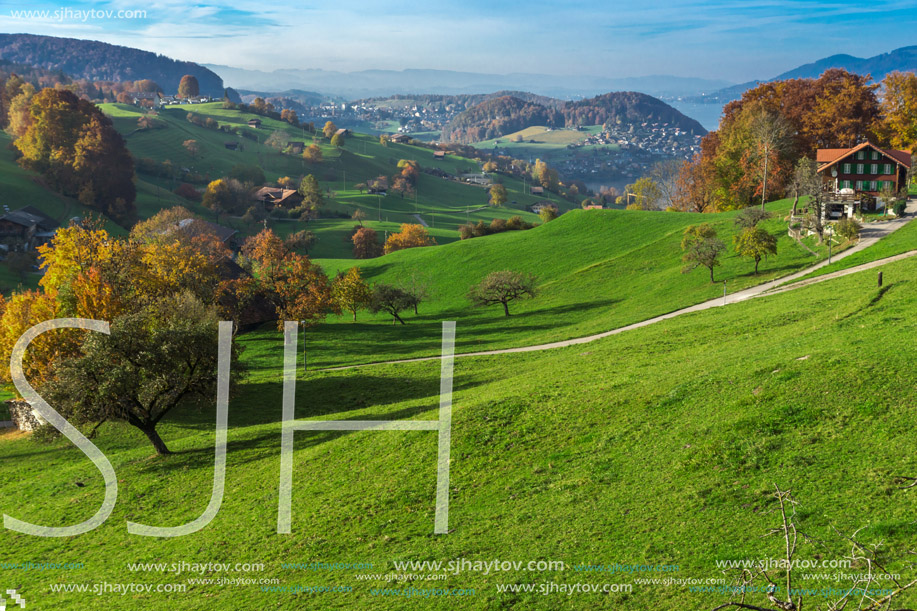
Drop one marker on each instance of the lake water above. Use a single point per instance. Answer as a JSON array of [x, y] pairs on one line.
[[707, 115]]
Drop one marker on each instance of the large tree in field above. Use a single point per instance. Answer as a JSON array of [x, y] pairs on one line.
[[329, 129], [702, 248], [755, 243], [188, 87], [297, 287], [502, 288], [390, 299], [155, 360], [498, 195], [366, 244], [351, 292]]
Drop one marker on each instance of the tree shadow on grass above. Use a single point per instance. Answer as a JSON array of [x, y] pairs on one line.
[[266, 445]]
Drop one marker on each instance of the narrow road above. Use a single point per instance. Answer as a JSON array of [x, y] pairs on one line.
[[871, 234], [420, 220]]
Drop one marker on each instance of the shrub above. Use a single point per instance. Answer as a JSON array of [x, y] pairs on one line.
[[899, 208], [497, 226], [466, 232], [848, 229], [188, 192], [480, 229]]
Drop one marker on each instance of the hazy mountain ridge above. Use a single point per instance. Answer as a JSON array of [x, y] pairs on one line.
[[386, 83]]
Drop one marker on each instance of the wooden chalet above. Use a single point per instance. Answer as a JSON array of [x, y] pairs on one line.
[[272, 197], [854, 177]]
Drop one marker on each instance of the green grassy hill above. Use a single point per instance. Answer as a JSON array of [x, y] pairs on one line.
[[442, 204], [657, 446], [596, 269], [547, 144]]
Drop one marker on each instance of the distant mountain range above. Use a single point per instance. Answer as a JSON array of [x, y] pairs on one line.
[[903, 59], [385, 83], [99, 61]]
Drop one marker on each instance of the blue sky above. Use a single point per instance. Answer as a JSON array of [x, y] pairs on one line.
[[736, 41]]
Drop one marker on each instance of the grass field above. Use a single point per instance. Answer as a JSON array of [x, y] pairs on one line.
[[657, 446], [544, 143], [596, 270]]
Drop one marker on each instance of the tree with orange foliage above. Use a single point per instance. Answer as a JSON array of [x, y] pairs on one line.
[[366, 244], [899, 110], [298, 288], [410, 236], [23, 311]]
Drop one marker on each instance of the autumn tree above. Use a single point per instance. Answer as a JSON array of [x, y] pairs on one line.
[[366, 244], [702, 248], [359, 216], [78, 151], [410, 236], [502, 287], [297, 287], [225, 195], [192, 147], [312, 154], [154, 360], [329, 129], [899, 110], [188, 87], [755, 243], [695, 185], [351, 292], [337, 140], [498, 195]]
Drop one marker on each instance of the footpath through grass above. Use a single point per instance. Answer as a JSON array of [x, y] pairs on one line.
[[659, 446], [597, 270], [900, 241]]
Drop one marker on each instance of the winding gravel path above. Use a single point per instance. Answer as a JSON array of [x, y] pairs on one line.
[[871, 234]]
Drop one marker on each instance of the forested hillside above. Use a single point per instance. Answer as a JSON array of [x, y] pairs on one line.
[[98, 61]]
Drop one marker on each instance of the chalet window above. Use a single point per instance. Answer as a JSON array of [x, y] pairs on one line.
[[888, 168], [873, 186], [847, 167], [874, 168], [846, 184], [859, 185], [861, 154], [874, 155], [860, 168]]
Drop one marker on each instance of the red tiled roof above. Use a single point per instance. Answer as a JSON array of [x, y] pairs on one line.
[[828, 157]]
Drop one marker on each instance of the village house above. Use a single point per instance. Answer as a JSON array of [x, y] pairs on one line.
[[256, 123], [297, 148], [25, 229], [864, 170], [272, 197], [537, 191], [399, 138]]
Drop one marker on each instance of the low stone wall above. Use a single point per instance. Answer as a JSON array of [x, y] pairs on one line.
[[22, 416]]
